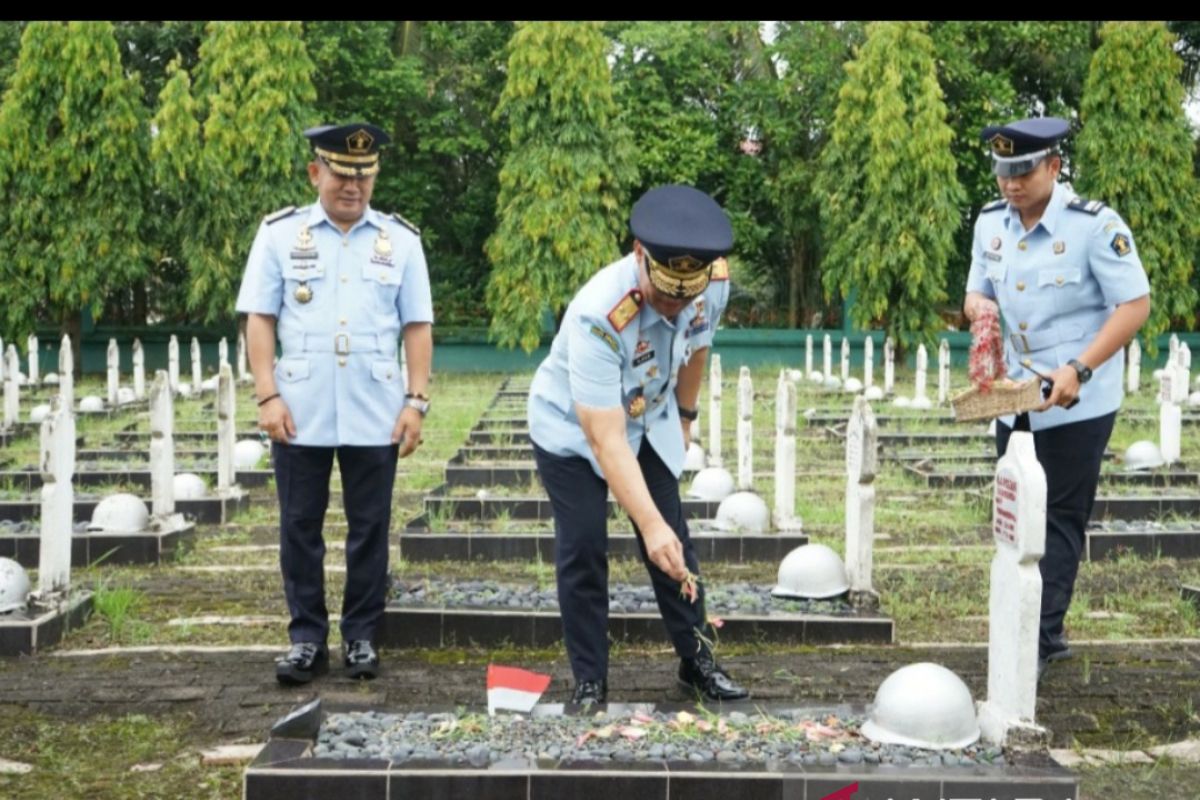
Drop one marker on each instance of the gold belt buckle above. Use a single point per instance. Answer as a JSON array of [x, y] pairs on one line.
[[341, 344]]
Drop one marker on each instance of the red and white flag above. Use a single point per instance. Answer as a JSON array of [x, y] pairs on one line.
[[514, 689]]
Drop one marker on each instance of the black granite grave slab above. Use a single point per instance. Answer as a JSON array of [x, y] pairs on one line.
[[710, 547], [936, 476], [29, 480], [927, 440], [206, 509], [1160, 541], [28, 634], [528, 507], [144, 547]]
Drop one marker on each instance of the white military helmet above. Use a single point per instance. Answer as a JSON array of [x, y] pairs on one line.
[[1157, 374], [125, 395], [1143, 455], [901, 401], [795, 375], [694, 460], [247, 453], [120, 513], [853, 385], [811, 572], [816, 377], [713, 484], [923, 705], [744, 512], [189, 486], [832, 382], [91, 404], [184, 390], [50, 378], [923, 403], [39, 412], [873, 393], [208, 385], [14, 586]]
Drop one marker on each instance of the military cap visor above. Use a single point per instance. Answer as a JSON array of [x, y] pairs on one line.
[[683, 231], [348, 150], [1017, 148]]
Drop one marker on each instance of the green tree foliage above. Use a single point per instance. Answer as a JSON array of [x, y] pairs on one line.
[[891, 198], [1135, 153], [562, 202], [74, 167]]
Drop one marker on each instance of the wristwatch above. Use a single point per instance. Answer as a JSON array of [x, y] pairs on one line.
[[1085, 372], [418, 401]]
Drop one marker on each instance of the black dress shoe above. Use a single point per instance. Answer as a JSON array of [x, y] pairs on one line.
[[361, 659], [590, 693], [304, 661], [704, 675]]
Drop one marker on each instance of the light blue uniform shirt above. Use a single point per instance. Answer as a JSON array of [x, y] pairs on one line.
[[593, 363], [338, 372], [1056, 286]]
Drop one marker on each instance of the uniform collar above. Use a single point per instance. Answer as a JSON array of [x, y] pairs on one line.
[[1059, 197], [317, 215]]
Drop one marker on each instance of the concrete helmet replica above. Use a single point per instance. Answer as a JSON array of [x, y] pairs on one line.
[[91, 404], [923, 705], [189, 486], [811, 572], [745, 512], [14, 586], [713, 484], [247, 453], [1143, 455], [39, 412], [120, 513], [694, 460]]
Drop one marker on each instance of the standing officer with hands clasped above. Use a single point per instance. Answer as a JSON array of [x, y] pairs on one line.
[[337, 283], [1072, 291]]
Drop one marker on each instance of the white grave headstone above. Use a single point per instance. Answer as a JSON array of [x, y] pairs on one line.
[[862, 464], [1015, 603], [845, 359], [922, 373], [714, 411], [139, 370], [226, 433], [1133, 381], [58, 499], [943, 371], [889, 365], [222, 352], [827, 356], [173, 362], [1183, 365], [12, 389], [162, 446], [1174, 347], [745, 431], [242, 375], [112, 373], [197, 371], [785, 457], [868, 362], [31, 345], [808, 356], [66, 374], [1170, 425]]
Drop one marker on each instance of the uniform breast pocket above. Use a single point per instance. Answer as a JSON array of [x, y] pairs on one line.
[[291, 370], [303, 284], [995, 274], [384, 283], [1063, 285]]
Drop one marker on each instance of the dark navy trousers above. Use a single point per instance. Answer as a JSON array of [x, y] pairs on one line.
[[1071, 456], [579, 499], [302, 481]]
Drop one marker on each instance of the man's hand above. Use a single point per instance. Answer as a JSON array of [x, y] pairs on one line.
[[665, 550], [1066, 388], [275, 418], [407, 431]]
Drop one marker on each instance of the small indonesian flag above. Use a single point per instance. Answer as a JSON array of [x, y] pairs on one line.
[[514, 689]]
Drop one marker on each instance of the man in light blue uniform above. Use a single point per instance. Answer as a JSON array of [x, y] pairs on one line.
[[338, 282], [1072, 291], [610, 407]]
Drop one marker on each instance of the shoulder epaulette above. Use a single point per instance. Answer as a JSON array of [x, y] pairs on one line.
[[720, 270], [1092, 207], [625, 310], [282, 213], [407, 224]]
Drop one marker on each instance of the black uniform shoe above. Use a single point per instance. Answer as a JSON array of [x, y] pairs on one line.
[[304, 661], [704, 675], [361, 659], [590, 693]]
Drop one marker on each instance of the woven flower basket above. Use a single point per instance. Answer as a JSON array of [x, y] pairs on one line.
[[1005, 397]]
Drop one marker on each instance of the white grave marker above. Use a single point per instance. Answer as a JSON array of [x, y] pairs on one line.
[[31, 344], [868, 362], [58, 499], [197, 372], [66, 374], [1134, 380], [112, 373], [785, 457], [862, 464], [226, 434], [745, 431], [139, 370], [714, 412], [162, 446], [173, 363], [889, 365]]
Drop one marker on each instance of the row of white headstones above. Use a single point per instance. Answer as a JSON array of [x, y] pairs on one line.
[[1018, 526], [10, 371], [57, 467], [1179, 364]]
